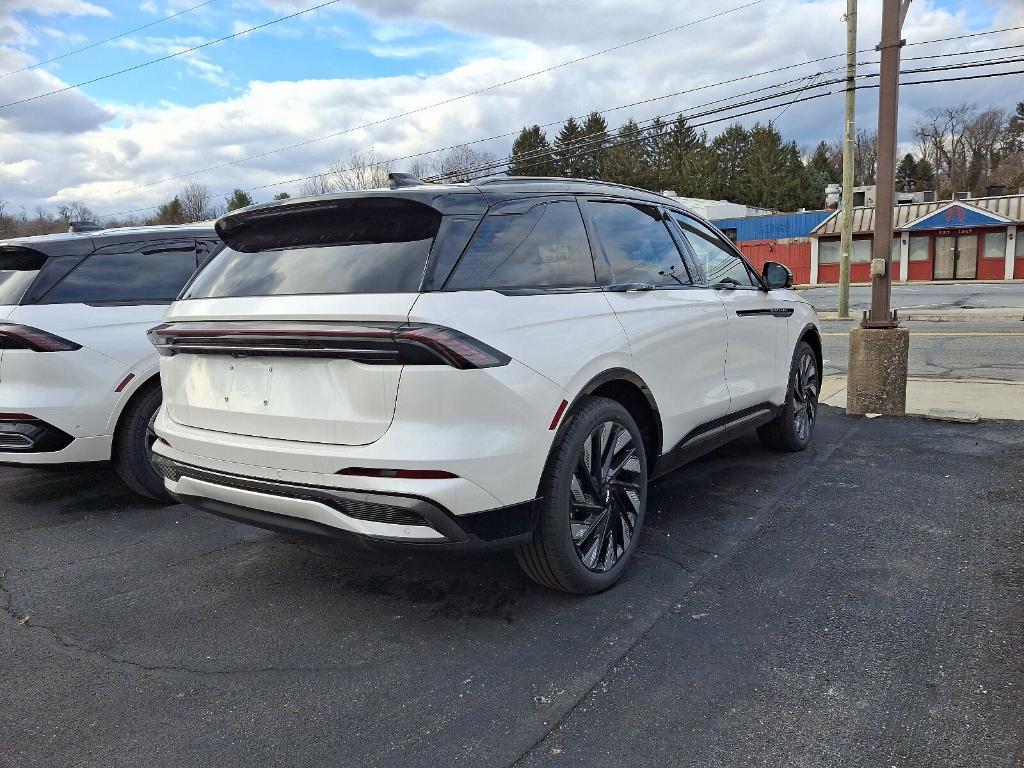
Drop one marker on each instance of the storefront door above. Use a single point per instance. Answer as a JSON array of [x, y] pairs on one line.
[[956, 257]]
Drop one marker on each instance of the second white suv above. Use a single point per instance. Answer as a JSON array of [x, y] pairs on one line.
[[506, 363]]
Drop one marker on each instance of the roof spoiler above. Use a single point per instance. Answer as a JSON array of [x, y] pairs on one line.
[[400, 180]]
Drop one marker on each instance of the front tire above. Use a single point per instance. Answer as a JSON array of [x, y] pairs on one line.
[[133, 446], [793, 428], [594, 491]]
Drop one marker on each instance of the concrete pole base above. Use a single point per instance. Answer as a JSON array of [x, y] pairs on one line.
[[877, 378]]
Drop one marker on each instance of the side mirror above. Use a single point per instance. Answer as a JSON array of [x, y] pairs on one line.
[[777, 275]]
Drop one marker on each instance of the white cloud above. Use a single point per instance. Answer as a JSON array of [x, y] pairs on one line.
[[55, 7], [93, 158]]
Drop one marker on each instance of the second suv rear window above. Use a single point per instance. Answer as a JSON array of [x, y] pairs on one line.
[[372, 246]]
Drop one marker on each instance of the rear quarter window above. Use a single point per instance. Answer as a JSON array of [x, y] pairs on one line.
[[545, 247]]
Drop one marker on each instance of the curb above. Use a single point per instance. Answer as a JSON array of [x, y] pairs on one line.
[[945, 315]]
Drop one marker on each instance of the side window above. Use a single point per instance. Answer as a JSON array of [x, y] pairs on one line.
[[636, 244], [720, 264], [128, 272], [545, 247]]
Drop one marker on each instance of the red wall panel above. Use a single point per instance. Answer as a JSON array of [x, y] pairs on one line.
[[795, 255], [920, 270], [991, 269], [1018, 268]]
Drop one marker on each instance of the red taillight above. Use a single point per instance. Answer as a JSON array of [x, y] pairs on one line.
[[457, 349], [25, 337], [17, 417], [384, 343], [407, 474]]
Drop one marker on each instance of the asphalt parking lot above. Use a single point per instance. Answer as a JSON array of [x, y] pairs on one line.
[[861, 604]]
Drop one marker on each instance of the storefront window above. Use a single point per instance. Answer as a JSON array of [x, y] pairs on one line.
[[919, 248], [828, 251], [1019, 251], [995, 245], [894, 254], [862, 251]]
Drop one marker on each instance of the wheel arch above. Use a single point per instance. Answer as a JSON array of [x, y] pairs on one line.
[[812, 336], [632, 393], [143, 384]]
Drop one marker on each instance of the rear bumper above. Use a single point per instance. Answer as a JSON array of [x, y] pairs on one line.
[[370, 517]]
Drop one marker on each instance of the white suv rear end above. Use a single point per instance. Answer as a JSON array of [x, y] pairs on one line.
[[500, 364], [78, 379]]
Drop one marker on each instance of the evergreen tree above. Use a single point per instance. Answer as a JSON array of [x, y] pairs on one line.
[[1015, 130], [170, 212], [567, 153], [239, 199], [626, 161], [531, 154], [281, 196], [688, 160], [595, 132], [906, 174], [821, 171], [924, 174], [658, 154], [730, 149]]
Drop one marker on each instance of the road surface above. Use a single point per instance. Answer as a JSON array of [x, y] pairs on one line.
[[924, 296]]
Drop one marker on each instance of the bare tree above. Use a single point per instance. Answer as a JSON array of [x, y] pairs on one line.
[[76, 211], [462, 163], [321, 184], [941, 140], [196, 202], [364, 170]]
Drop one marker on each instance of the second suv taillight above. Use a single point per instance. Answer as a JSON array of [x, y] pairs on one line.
[[25, 337], [387, 343]]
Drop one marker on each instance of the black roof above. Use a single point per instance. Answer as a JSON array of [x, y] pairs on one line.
[[469, 198], [81, 243]]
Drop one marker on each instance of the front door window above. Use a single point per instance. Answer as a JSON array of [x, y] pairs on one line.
[[956, 257]]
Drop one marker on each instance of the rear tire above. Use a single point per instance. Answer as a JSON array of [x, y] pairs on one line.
[[793, 428], [594, 492], [133, 445]]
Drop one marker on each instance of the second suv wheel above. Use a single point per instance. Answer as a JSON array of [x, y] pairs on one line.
[[792, 429], [133, 446], [595, 492]]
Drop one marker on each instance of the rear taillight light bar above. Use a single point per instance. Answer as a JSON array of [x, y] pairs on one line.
[[26, 337], [383, 343]]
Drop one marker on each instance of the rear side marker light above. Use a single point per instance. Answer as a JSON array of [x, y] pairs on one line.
[[558, 414], [26, 337], [124, 383], [406, 474]]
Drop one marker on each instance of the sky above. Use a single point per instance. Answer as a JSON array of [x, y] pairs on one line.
[[114, 143]]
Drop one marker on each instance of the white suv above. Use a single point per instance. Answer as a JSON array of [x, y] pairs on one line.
[[78, 378], [505, 363]]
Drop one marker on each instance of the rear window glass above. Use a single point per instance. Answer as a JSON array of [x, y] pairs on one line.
[[545, 247], [372, 246], [133, 273], [18, 268]]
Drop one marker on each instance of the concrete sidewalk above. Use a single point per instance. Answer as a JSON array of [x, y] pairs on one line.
[[958, 315], [948, 399]]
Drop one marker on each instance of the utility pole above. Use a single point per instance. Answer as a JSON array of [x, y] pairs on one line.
[[879, 347], [849, 155]]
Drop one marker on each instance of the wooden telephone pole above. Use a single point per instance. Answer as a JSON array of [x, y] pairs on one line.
[[879, 348], [849, 157]]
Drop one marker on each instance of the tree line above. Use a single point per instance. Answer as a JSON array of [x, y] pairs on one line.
[[956, 149]]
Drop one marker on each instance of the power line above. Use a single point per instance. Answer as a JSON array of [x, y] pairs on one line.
[[170, 55], [445, 102], [336, 134], [390, 161], [972, 34], [109, 39]]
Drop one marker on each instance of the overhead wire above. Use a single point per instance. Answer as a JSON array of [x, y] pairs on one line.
[[98, 43]]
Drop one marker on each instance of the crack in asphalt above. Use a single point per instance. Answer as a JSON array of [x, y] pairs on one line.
[[700, 576]]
